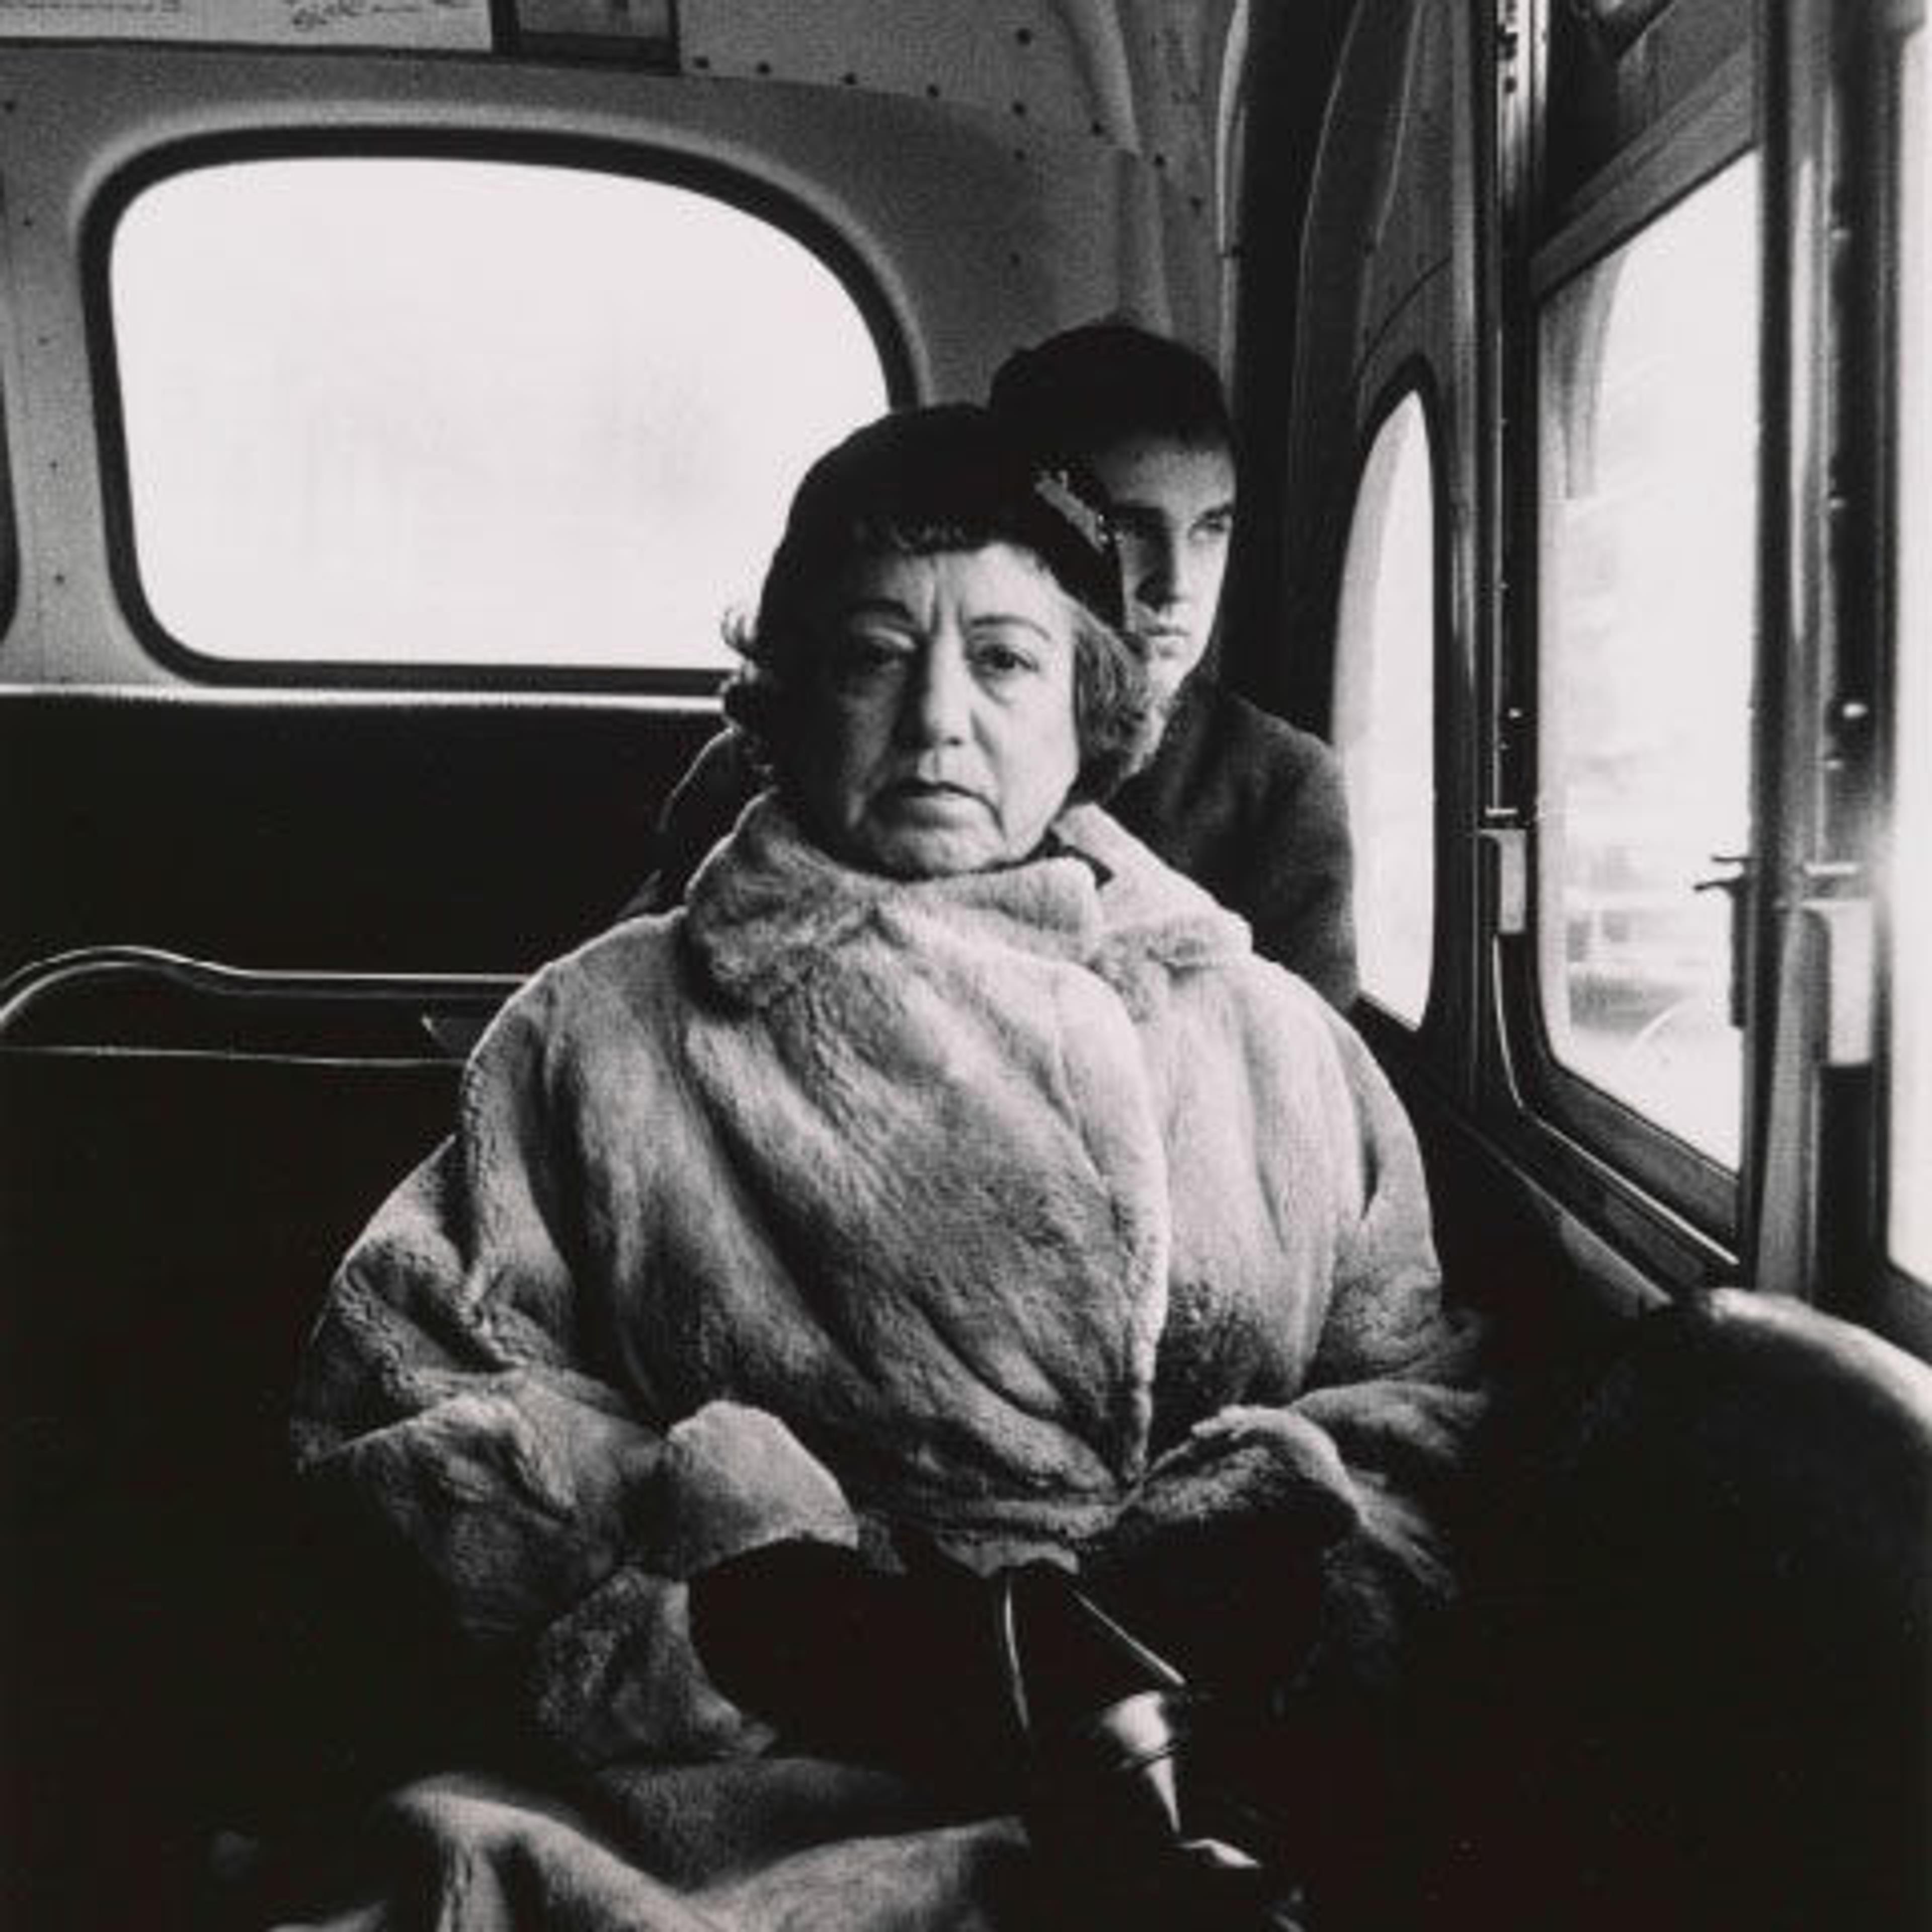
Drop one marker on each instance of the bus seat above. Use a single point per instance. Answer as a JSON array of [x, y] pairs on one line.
[[168, 1219], [1709, 1705]]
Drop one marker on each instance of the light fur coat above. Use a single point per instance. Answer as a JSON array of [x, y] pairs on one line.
[[834, 1205]]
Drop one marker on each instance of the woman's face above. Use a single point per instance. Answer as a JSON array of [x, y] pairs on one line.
[[941, 737]]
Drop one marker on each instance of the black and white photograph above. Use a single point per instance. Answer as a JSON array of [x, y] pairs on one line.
[[965, 966]]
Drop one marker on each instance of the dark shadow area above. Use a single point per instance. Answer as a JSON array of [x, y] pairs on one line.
[[1705, 1667], [169, 1668]]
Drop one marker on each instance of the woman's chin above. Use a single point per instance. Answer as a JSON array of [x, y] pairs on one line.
[[933, 852], [927, 841]]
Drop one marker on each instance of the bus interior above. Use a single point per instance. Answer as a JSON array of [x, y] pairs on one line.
[[396, 393]]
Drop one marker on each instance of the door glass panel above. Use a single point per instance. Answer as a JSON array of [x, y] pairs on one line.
[[1385, 711], [416, 411], [1648, 518]]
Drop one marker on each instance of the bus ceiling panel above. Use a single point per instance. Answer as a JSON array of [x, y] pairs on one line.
[[1144, 75], [976, 230], [1382, 225], [929, 194], [1382, 218]]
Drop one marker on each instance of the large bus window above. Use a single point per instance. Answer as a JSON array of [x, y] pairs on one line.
[[1648, 380], [415, 411], [1385, 710], [1910, 1232]]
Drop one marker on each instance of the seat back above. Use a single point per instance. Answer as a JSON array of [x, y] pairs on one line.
[[1710, 1702], [168, 1219]]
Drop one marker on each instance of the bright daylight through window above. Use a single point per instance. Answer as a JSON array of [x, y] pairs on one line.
[[436, 411], [1648, 500], [1385, 711]]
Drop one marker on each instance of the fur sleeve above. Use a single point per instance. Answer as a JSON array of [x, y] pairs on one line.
[[1386, 1316], [450, 1391], [1315, 1538], [1398, 1386]]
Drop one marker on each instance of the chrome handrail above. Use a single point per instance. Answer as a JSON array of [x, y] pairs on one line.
[[25, 988]]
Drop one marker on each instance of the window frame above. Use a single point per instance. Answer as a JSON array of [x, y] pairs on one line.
[[1805, 1214], [593, 155], [1684, 1207], [1901, 1303]]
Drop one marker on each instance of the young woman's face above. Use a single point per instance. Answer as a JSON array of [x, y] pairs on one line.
[[941, 736]]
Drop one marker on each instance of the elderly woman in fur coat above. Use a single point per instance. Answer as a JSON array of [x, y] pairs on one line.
[[947, 1187]]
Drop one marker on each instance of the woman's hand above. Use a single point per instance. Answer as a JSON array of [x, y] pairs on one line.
[[1218, 1552], [1269, 1466], [852, 1662]]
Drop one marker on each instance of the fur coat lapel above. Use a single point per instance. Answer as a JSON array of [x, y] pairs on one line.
[[956, 1147], [769, 906]]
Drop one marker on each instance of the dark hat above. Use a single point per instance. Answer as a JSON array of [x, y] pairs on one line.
[[953, 474]]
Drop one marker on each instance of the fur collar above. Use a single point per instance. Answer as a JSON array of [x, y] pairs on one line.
[[768, 907]]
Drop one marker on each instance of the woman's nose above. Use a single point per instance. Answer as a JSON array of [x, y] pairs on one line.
[[938, 709]]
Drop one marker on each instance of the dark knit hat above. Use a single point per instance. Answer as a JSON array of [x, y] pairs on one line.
[[954, 475]]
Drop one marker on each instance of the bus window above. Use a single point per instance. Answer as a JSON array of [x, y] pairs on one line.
[[1385, 710], [1910, 1229], [415, 411], [1647, 503]]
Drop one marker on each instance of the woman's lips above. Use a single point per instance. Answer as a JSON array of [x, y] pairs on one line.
[[934, 795]]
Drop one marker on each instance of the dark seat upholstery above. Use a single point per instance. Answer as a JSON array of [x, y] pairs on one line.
[[1710, 1698], [167, 1224]]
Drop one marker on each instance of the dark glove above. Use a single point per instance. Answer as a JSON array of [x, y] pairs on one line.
[[1218, 1560], [852, 1662]]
